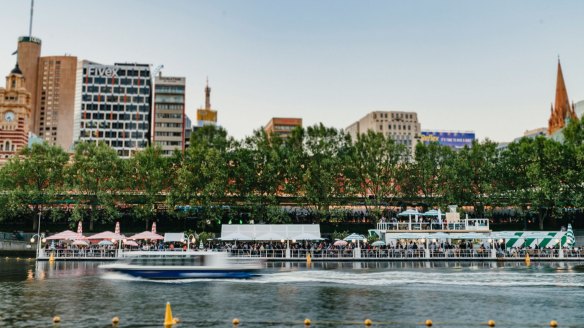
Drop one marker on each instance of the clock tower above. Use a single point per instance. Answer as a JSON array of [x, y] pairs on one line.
[[15, 110]]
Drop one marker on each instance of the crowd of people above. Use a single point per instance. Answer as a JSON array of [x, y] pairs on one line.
[[325, 248]]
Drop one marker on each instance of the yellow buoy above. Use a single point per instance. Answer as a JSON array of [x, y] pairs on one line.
[[235, 322], [527, 259], [368, 322], [115, 321], [52, 258], [429, 323], [491, 323], [307, 322], [553, 323], [168, 316], [56, 319], [308, 259]]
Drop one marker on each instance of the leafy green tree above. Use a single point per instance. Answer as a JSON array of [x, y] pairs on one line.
[[148, 173], [35, 177], [326, 149], [574, 163], [202, 178], [294, 163], [473, 175], [264, 155], [546, 175], [427, 175], [96, 176], [376, 169]]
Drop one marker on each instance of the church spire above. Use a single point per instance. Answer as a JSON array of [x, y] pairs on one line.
[[561, 109], [207, 95]]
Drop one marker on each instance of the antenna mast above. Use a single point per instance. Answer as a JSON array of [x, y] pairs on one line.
[[30, 24]]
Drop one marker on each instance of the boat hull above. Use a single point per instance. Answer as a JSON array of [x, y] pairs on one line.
[[179, 273]]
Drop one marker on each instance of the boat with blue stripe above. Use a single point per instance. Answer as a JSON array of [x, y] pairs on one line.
[[184, 265]]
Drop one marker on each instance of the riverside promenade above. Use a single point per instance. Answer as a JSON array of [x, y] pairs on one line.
[[354, 255]]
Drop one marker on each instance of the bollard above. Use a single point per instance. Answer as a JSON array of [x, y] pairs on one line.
[[168, 316], [56, 319], [368, 322], [115, 321], [553, 323], [491, 323], [307, 322], [235, 322], [428, 323]]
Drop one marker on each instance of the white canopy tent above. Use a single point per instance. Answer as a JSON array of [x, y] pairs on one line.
[[263, 232], [171, 237]]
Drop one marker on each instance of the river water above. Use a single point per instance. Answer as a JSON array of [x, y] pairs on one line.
[[395, 294]]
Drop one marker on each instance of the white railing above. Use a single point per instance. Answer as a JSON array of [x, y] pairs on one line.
[[72, 254], [467, 224], [79, 253]]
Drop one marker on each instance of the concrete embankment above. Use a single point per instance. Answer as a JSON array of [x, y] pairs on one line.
[[16, 248]]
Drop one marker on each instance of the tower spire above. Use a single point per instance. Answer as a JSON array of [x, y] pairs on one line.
[[30, 23], [207, 95], [561, 109]]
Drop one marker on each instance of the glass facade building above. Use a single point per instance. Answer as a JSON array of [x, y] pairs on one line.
[[169, 113], [113, 105]]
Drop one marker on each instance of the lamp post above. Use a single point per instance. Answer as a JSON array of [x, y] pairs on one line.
[[38, 234], [190, 239], [38, 240]]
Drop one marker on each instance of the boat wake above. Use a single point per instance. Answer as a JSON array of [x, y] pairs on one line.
[[408, 278], [393, 278]]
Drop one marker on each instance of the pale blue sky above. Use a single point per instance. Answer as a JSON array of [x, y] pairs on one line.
[[487, 66]]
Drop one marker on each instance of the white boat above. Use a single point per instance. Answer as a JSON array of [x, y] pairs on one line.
[[184, 265]]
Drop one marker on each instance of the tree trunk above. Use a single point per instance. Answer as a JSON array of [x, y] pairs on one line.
[[541, 217]]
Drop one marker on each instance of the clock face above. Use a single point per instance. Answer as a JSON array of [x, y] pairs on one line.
[[9, 116]]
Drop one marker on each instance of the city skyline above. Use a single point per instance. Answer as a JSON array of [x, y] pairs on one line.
[[487, 67]]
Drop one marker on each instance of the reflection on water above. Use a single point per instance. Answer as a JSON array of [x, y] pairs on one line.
[[331, 294]]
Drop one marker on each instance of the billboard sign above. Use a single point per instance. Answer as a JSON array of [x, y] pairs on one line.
[[452, 139]]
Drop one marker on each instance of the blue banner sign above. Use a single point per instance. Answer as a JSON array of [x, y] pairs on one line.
[[452, 139]]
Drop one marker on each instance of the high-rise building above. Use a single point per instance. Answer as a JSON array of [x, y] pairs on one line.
[[169, 113], [282, 126], [562, 110], [15, 109], [188, 131], [403, 127], [29, 52], [579, 109], [55, 100], [206, 115], [113, 105], [51, 82]]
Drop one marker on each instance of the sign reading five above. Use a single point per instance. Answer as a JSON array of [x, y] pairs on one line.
[[102, 70]]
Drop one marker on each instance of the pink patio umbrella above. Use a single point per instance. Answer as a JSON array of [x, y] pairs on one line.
[[146, 235], [130, 243], [106, 235], [80, 243], [340, 243], [153, 227], [66, 235]]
